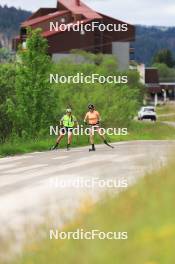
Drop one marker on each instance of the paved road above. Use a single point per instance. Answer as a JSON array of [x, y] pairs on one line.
[[30, 184], [167, 115], [169, 123]]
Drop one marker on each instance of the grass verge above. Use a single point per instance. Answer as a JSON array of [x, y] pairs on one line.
[[145, 211], [165, 109], [170, 118], [136, 131]]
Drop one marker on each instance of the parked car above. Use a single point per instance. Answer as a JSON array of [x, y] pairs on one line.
[[147, 112]]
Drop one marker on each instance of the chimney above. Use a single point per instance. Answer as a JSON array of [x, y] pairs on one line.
[[77, 2]]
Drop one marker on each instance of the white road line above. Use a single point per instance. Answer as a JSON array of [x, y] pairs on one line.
[[15, 178], [27, 168], [121, 159], [80, 162], [61, 157], [8, 166], [96, 158], [9, 159], [57, 169], [77, 150], [40, 152]]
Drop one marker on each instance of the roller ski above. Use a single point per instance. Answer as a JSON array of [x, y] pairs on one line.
[[107, 144]]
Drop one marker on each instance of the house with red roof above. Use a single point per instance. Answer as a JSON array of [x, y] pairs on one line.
[[73, 25]]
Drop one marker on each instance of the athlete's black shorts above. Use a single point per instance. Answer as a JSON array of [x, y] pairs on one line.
[[94, 125], [66, 130]]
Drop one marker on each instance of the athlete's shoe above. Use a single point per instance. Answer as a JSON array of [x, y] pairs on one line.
[[92, 149], [68, 147], [54, 148]]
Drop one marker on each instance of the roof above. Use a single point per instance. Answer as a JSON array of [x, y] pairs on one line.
[[37, 20], [83, 9], [67, 6]]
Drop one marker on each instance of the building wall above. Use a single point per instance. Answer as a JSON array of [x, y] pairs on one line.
[[141, 70], [121, 51], [116, 42], [151, 75], [66, 41], [123, 36]]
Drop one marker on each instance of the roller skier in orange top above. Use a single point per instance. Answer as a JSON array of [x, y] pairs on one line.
[[92, 118]]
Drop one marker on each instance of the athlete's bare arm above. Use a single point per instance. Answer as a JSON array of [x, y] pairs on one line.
[[86, 118]]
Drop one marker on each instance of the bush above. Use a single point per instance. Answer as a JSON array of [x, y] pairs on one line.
[[117, 103]]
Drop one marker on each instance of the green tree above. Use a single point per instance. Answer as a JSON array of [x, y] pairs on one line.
[[166, 74], [32, 108], [5, 55], [7, 79], [164, 56]]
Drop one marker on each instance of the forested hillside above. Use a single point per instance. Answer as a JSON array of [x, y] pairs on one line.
[[10, 19], [149, 40]]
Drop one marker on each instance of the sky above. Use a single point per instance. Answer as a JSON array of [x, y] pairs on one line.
[[145, 12]]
